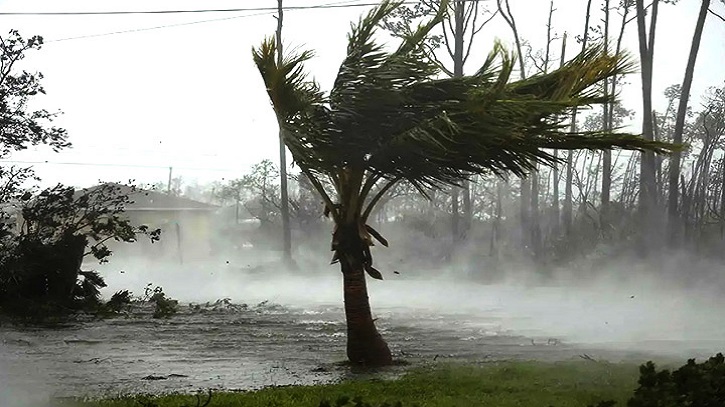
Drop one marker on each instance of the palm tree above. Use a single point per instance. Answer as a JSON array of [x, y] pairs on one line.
[[388, 119]]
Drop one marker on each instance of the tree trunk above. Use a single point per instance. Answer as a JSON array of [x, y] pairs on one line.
[[496, 235], [534, 216], [467, 210], [722, 199], [556, 211], [608, 111], [525, 214], [568, 204], [455, 215], [648, 194], [365, 346], [459, 30], [674, 175]]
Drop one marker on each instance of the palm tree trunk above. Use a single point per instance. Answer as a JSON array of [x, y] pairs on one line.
[[365, 345]]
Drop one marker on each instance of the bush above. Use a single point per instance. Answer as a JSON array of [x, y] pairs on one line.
[[693, 384], [164, 307], [40, 261], [119, 302], [345, 401]]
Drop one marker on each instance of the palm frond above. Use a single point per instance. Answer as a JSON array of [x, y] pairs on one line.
[[389, 115], [299, 104]]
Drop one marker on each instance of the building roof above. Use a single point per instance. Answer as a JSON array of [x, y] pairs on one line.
[[146, 200]]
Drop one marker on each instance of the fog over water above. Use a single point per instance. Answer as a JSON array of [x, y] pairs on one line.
[[292, 329], [628, 304]]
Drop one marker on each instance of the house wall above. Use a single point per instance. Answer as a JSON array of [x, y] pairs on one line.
[[185, 235]]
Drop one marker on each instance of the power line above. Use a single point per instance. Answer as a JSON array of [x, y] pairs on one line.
[[113, 165], [133, 30], [158, 27], [226, 10]]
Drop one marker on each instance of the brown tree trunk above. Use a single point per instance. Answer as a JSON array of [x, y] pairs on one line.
[[365, 345]]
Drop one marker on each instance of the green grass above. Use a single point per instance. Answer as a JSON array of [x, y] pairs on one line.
[[496, 384]]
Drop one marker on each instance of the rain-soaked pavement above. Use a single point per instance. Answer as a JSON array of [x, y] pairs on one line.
[[299, 339]]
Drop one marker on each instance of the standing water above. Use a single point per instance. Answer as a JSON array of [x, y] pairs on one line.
[[248, 330]]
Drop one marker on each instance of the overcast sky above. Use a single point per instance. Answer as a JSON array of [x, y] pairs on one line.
[[188, 95]]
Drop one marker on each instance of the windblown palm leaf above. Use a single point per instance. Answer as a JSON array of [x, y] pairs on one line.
[[388, 114], [389, 118]]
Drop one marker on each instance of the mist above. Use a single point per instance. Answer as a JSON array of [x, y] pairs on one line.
[[667, 306]]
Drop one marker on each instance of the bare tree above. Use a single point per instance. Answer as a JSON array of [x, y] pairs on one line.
[[466, 18], [568, 207], [606, 155], [674, 175]]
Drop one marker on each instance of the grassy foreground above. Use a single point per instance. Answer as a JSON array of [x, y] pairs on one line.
[[497, 385]]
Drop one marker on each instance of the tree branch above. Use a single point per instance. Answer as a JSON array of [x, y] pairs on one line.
[[368, 185], [446, 41], [321, 190], [716, 14], [377, 197], [434, 58]]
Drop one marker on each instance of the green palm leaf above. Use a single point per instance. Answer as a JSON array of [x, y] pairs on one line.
[[388, 114]]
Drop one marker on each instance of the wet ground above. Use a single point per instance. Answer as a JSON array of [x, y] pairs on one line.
[[297, 335]]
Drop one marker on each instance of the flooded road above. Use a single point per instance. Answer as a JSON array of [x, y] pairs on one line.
[[291, 330]]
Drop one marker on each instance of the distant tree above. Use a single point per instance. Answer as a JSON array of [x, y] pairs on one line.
[[44, 236], [649, 202], [464, 20], [262, 187], [232, 191], [388, 119], [674, 223], [702, 193], [20, 127], [610, 86], [567, 208]]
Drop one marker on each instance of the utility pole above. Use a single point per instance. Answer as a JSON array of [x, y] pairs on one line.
[[286, 232], [168, 186]]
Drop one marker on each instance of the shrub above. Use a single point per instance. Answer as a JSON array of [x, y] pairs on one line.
[[346, 401], [164, 307], [694, 384], [40, 262], [119, 302]]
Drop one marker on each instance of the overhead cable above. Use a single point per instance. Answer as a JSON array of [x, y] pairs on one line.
[[196, 11]]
